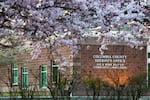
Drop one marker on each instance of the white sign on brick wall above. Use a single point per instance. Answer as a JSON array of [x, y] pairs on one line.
[[109, 61]]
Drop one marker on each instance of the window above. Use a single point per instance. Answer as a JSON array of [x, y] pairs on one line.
[[149, 75], [43, 76], [25, 81], [14, 74], [54, 71], [148, 55]]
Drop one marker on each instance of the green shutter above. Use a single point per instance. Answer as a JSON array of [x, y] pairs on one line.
[[44, 68], [55, 74], [25, 81], [148, 74], [148, 55], [43, 76], [14, 74], [54, 71]]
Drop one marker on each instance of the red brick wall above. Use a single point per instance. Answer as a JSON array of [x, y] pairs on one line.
[[135, 62], [84, 63], [24, 60]]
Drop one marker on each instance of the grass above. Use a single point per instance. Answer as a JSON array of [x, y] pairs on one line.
[[25, 94]]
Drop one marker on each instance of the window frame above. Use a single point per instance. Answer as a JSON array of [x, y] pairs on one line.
[[54, 65], [148, 55], [14, 72], [41, 76], [148, 74], [23, 77]]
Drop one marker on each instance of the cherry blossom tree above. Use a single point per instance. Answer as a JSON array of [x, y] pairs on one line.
[[52, 23], [10, 47]]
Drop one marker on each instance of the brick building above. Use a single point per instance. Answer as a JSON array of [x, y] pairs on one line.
[[129, 61], [119, 61], [32, 73]]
